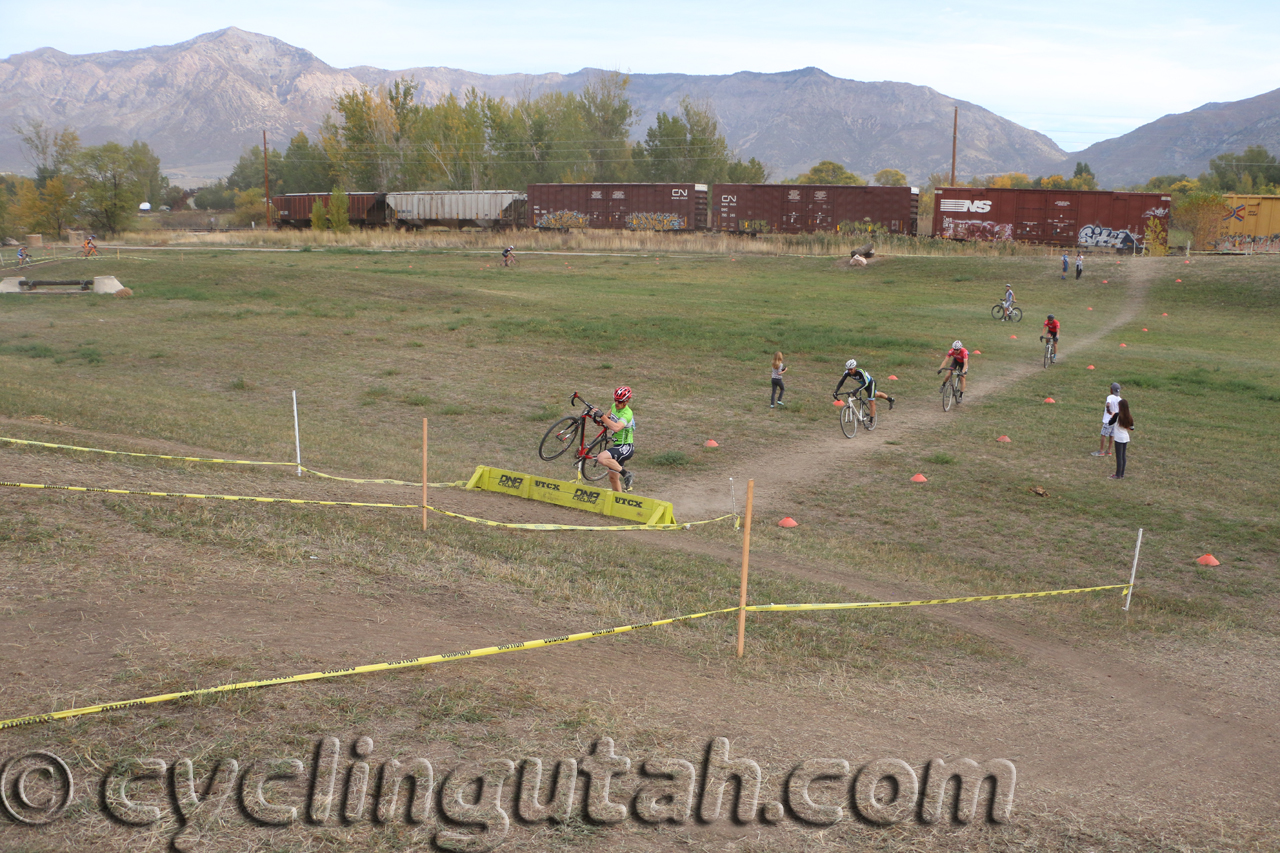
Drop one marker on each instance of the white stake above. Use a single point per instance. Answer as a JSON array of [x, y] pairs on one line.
[[297, 439], [1133, 575]]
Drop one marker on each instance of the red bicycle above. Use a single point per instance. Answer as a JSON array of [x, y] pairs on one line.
[[572, 430]]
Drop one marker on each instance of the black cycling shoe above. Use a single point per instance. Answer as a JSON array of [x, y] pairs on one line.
[[891, 404]]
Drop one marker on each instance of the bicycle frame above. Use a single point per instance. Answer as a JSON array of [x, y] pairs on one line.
[[555, 441]]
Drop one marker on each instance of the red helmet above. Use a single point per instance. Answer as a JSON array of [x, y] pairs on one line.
[[622, 395]]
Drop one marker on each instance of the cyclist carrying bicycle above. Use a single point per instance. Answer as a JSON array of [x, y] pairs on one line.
[[23, 256], [508, 255], [1008, 300], [621, 424], [864, 380], [1051, 327], [957, 358]]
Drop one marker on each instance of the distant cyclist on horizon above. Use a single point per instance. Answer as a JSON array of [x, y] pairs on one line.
[[508, 256]]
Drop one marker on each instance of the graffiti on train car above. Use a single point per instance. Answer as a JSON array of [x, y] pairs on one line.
[[655, 221], [563, 219], [1098, 235], [976, 229]]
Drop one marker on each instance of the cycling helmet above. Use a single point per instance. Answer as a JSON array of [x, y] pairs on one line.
[[957, 345], [851, 364], [622, 394], [1050, 316]]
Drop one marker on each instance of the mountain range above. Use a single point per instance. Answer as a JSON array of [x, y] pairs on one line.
[[201, 102]]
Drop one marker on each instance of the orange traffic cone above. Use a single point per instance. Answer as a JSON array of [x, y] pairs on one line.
[[1050, 400], [787, 522], [1207, 560], [711, 442], [919, 478], [1004, 438]]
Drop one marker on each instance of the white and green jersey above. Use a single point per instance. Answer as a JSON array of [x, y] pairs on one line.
[[626, 435]]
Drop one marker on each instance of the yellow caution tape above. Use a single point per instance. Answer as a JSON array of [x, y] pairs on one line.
[[229, 462], [354, 670], [511, 525], [510, 647], [766, 608]]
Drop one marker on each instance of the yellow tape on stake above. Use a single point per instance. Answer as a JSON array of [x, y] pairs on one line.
[[864, 605], [510, 647], [385, 482], [472, 519]]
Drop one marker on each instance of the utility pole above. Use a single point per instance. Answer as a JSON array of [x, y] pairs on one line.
[[955, 132], [266, 178]]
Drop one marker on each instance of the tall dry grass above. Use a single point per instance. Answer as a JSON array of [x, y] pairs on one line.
[[588, 241]]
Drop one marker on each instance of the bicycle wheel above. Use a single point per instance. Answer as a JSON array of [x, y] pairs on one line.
[[1048, 347], [948, 394], [997, 312], [591, 469], [869, 421], [562, 435], [848, 418], [1016, 314]]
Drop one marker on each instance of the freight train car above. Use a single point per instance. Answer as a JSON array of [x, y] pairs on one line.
[[1250, 223], [634, 207], [464, 209], [1054, 217], [809, 208], [364, 210]]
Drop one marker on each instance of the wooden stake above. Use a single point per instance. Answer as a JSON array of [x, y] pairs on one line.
[[424, 474], [746, 552]]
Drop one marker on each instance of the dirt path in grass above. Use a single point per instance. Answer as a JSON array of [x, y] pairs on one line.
[[1102, 737], [779, 473]]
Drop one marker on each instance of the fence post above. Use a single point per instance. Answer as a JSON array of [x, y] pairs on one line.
[[746, 553]]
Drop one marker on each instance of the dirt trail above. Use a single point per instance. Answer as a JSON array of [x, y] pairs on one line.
[[777, 474]]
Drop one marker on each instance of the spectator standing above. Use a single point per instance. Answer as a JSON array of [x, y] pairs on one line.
[[1066, 263], [775, 381], [1109, 409], [1123, 422], [1079, 265]]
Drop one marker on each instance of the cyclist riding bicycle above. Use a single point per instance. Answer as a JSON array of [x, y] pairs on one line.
[[508, 255], [621, 423], [864, 380], [1008, 299], [957, 358], [1051, 327], [89, 248]]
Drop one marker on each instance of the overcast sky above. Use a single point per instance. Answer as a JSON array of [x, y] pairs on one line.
[[1078, 73]]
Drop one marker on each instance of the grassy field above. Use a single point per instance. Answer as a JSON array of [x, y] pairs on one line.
[[207, 352]]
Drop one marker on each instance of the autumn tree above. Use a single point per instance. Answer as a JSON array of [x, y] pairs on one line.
[[889, 178], [828, 172], [1199, 212]]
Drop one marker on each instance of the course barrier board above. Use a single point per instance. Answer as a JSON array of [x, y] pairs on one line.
[[573, 495]]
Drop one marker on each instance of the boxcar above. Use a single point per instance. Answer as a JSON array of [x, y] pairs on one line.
[[365, 210], [460, 209], [809, 208], [1250, 223], [634, 207], [1054, 217]]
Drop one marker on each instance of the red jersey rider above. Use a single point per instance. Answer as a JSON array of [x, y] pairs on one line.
[[1051, 331], [957, 358]]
